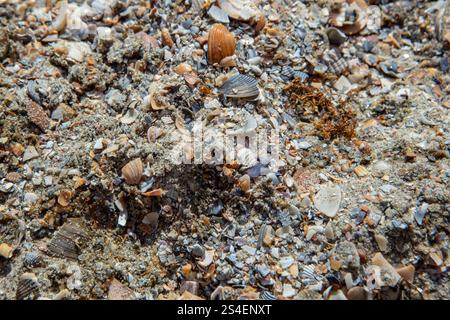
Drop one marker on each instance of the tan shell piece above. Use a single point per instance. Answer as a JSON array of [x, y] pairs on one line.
[[132, 171], [339, 15]]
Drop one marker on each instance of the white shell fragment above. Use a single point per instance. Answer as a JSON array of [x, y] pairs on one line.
[[60, 21], [130, 117], [208, 259], [328, 199], [30, 153], [242, 10], [218, 15]]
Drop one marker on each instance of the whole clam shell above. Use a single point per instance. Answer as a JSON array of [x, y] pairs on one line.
[[240, 86], [132, 171], [221, 43]]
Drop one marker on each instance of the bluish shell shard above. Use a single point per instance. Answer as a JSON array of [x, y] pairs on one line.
[[310, 274], [266, 295], [31, 259], [240, 86], [287, 73], [218, 15]]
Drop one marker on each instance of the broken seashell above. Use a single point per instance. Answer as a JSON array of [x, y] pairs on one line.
[[166, 39], [153, 193], [61, 19], [67, 240], [119, 291], [153, 133], [182, 69], [218, 15], [191, 79], [221, 43], [6, 251], [244, 182], [260, 23], [240, 86], [218, 294], [228, 62], [207, 260], [386, 275], [132, 171], [64, 197], [155, 98], [243, 10], [328, 199], [28, 284], [382, 242], [190, 286], [266, 295], [266, 236], [350, 16], [130, 116], [336, 36], [407, 273], [32, 259]]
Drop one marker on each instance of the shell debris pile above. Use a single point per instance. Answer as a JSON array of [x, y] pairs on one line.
[[224, 149]]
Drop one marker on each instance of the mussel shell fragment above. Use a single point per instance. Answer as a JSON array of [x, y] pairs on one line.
[[240, 86], [336, 36]]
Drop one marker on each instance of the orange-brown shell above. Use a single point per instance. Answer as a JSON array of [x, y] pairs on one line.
[[166, 39], [132, 171], [221, 43]]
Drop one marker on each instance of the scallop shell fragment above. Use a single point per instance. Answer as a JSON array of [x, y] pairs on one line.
[[240, 86], [68, 240], [28, 284], [221, 43], [132, 171]]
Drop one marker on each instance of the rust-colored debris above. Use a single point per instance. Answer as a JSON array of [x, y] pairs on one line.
[[329, 120]]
